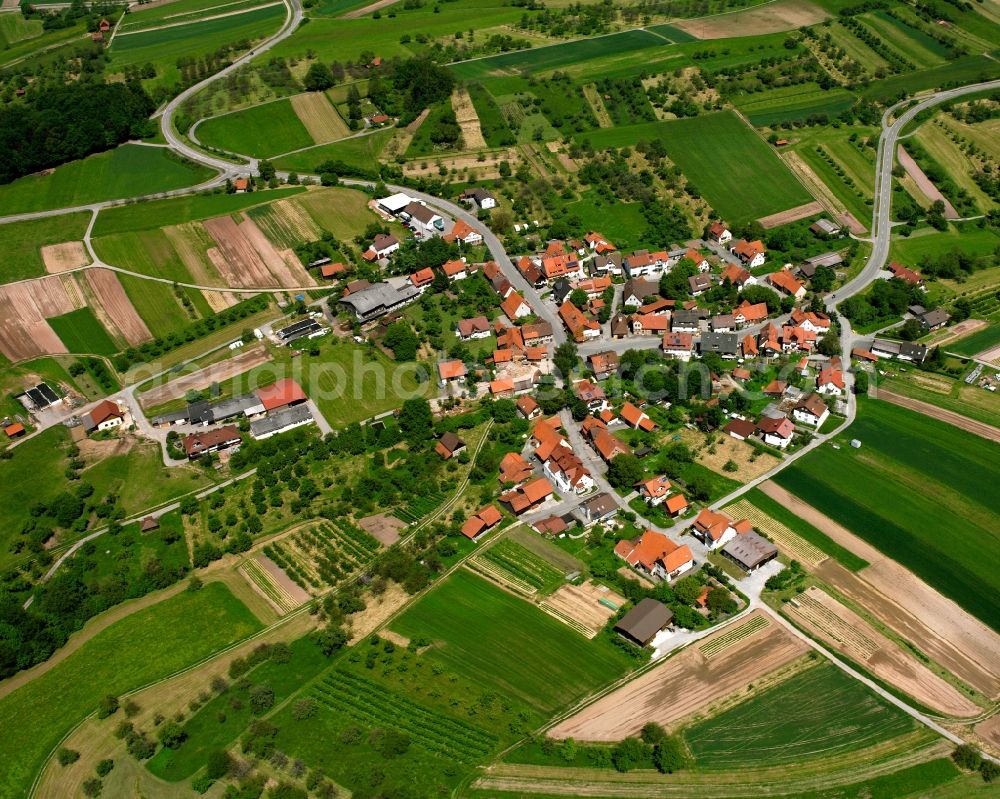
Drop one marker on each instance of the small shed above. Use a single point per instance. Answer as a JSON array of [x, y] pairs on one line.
[[149, 524]]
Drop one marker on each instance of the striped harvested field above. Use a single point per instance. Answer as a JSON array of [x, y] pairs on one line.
[[262, 574], [797, 547]]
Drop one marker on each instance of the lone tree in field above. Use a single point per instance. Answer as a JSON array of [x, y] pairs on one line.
[[318, 77]]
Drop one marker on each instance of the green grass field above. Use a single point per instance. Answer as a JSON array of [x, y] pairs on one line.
[[819, 713], [23, 242], [500, 641], [953, 395], [984, 339], [181, 11], [793, 102], [15, 28], [80, 331], [360, 151], [127, 171], [968, 69], [932, 243], [261, 131], [542, 59], [622, 223], [162, 213], [736, 171], [935, 509], [133, 652]]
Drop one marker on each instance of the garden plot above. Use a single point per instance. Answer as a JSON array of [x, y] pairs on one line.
[[246, 259], [24, 308], [468, 120], [244, 361], [271, 582], [114, 308], [470, 164], [580, 606], [787, 541], [687, 683], [848, 633], [63, 257], [516, 567], [317, 557], [319, 117]]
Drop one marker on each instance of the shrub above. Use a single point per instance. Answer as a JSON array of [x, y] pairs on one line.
[[107, 706], [66, 756], [219, 763], [92, 787], [171, 735], [104, 768], [967, 756]]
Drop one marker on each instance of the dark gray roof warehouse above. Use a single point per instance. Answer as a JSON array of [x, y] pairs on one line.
[[641, 624]]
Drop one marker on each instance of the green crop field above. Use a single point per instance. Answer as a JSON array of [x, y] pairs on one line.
[[164, 47], [806, 531], [181, 12], [930, 243], [23, 242], [177, 210], [793, 102], [131, 170], [498, 640], [342, 211], [913, 43], [984, 339], [359, 151], [261, 131], [935, 509], [80, 331], [736, 171], [15, 28], [968, 69], [542, 59], [818, 713], [137, 650], [156, 303], [671, 32]]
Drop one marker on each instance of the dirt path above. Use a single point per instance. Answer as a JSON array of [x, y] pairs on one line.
[[360, 12], [247, 359], [89, 630], [980, 429], [942, 630], [930, 191], [597, 106], [791, 215]]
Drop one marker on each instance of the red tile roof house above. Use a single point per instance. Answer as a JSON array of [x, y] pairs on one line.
[[464, 233], [486, 519], [240, 185], [864, 355], [776, 432], [609, 446], [811, 410], [738, 276], [656, 490], [528, 408], [717, 231], [750, 253], [449, 445], [514, 307], [810, 320], [282, 394], [714, 528], [786, 283], [15, 430], [455, 270], [451, 372], [514, 469], [591, 394], [650, 324], [775, 388], [382, 246], [477, 327], [795, 339], [656, 555], [567, 471], [105, 415], [830, 381], [740, 429], [604, 364], [747, 314], [677, 345], [528, 496], [502, 387], [197, 444], [422, 279], [635, 418], [906, 274], [675, 505], [579, 327]]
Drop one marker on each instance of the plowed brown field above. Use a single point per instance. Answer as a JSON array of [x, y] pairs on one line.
[[25, 306], [116, 306]]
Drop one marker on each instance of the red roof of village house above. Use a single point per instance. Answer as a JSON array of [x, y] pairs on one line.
[[575, 321], [481, 522], [656, 323], [528, 495], [15, 429], [491, 269], [712, 523], [749, 347], [241, 184], [782, 427], [555, 247], [858, 352], [775, 388], [501, 386], [636, 418], [905, 274], [739, 373], [676, 503], [104, 410], [657, 487], [657, 305], [278, 395], [511, 305], [608, 445], [332, 270], [449, 370], [799, 317], [548, 438], [831, 376], [717, 229], [677, 341], [652, 547], [591, 424], [751, 312], [527, 405], [537, 353], [558, 265], [785, 281], [423, 277], [454, 267], [460, 231], [748, 250], [514, 468]]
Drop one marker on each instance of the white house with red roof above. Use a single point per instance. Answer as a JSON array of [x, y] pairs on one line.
[[830, 381], [719, 233], [635, 418], [715, 529], [567, 471], [655, 490], [776, 431], [656, 555], [811, 410], [751, 253]]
